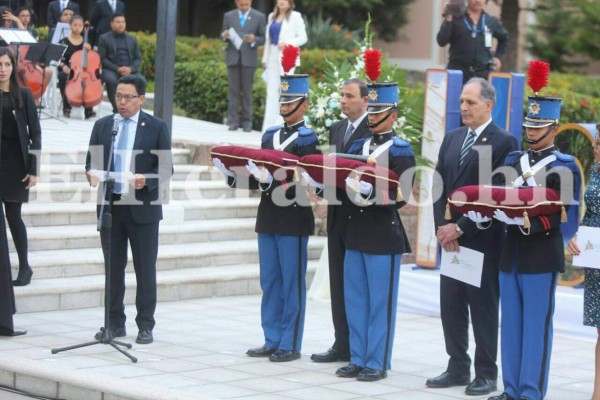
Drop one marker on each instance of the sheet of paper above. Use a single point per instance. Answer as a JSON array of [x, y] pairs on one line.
[[588, 240], [118, 177], [465, 266], [236, 40], [17, 36]]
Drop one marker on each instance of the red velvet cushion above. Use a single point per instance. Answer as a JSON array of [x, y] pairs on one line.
[[235, 158], [319, 167], [513, 201]]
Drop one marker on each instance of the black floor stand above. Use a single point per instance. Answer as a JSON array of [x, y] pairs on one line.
[[105, 227]]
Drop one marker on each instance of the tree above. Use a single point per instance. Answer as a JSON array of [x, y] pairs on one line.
[[552, 38], [388, 15], [510, 19], [588, 27]]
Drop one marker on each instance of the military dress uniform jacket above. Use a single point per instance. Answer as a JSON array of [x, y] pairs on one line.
[[376, 228], [295, 217], [542, 250]]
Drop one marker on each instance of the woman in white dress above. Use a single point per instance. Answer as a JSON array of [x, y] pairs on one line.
[[285, 26]]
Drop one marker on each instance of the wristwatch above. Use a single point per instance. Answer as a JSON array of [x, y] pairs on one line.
[[458, 229]]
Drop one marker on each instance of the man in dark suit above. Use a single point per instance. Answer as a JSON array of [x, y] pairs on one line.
[[120, 54], [249, 25], [480, 144], [342, 134], [142, 148], [101, 17], [55, 9]]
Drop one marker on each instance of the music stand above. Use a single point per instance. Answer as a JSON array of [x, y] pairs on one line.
[[61, 30], [45, 54]]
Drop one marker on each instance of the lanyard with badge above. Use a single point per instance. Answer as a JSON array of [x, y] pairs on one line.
[[474, 30]]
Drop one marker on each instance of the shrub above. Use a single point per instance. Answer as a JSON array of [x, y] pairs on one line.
[[323, 34], [201, 91]]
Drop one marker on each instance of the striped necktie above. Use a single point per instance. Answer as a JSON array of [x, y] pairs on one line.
[[467, 147], [348, 134]]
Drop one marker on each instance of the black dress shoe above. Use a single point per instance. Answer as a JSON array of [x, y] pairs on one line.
[[330, 355], [263, 351], [115, 333], [349, 371], [503, 396], [24, 277], [144, 337], [247, 129], [481, 386], [284, 355], [447, 379], [371, 375]]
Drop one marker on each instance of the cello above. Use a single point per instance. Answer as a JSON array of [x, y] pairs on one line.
[[84, 87], [29, 75]]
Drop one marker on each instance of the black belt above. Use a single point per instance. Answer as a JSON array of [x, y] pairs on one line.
[[479, 68]]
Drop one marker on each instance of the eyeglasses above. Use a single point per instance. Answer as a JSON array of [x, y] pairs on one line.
[[126, 97]]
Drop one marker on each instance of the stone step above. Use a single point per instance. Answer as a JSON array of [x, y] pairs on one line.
[[82, 262], [192, 283], [63, 237], [53, 214], [54, 156], [75, 173], [82, 192]]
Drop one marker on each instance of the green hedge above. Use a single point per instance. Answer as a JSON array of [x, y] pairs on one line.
[[201, 91]]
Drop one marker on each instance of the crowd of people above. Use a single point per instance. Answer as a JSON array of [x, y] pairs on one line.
[[521, 262]]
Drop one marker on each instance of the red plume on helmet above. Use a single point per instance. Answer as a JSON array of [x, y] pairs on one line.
[[537, 75], [289, 57], [372, 59]]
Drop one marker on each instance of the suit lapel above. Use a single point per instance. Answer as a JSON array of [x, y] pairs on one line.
[[484, 138], [361, 131]]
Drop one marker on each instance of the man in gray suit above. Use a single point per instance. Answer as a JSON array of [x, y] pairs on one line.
[[342, 134], [249, 25]]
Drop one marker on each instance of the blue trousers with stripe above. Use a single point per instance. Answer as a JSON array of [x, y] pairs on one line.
[[282, 279], [371, 296], [527, 302]]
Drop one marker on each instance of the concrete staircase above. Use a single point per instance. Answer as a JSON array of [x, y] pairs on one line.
[[207, 241]]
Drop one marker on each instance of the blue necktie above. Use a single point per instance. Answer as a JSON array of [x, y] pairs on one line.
[[242, 19], [120, 154], [466, 147]]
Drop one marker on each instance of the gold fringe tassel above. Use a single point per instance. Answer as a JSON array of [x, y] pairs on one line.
[[399, 196], [563, 214], [296, 175], [526, 222], [447, 215]]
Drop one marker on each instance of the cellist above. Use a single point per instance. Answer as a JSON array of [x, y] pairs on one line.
[[74, 42]]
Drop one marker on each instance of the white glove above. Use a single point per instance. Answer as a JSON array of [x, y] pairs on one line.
[[221, 167], [311, 181], [502, 217], [364, 188], [477, 217], [262, 175]]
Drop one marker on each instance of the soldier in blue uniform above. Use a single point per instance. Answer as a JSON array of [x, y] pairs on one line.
[[284, 222], [375, 242], [533, 256]]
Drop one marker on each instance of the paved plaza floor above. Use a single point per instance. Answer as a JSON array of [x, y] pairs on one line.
[[200, 346]]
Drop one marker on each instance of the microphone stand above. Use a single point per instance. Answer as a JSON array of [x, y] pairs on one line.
[[105, 228]]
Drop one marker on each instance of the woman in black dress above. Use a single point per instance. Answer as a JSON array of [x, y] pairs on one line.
[[74, 42], [20, 146]]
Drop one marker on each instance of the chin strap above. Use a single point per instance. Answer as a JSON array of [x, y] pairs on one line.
[[550, 129], [295, 108], [375, 125]]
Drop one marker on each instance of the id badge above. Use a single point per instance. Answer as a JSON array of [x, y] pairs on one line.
[[488, 39]]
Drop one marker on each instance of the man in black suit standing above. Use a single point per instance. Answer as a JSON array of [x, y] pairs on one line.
[[480, 144], [249, 25], [120, 54], [342, 134], [55, 9], [142, 148], [101, 17]]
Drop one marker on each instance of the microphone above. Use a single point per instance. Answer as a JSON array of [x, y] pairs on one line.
[[115, 128]]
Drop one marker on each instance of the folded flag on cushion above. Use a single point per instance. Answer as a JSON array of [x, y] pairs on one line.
[[276, 162]]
